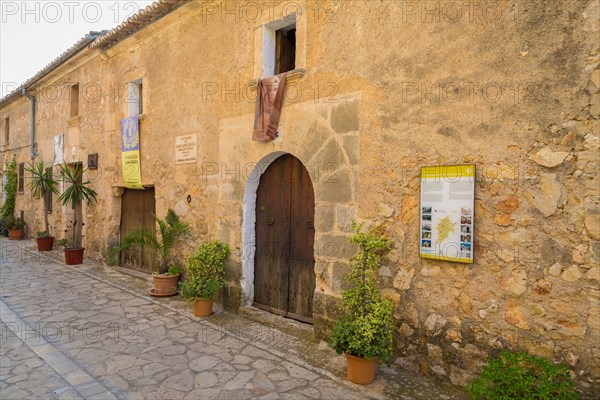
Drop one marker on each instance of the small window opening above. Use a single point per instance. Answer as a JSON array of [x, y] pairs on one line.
[[285, 49], [6, 130], [21, 181], [134, 98], [75, 100]]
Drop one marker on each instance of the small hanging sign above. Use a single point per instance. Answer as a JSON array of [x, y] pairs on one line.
[[447, 211]]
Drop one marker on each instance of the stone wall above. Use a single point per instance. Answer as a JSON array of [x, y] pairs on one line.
[[381, 90]]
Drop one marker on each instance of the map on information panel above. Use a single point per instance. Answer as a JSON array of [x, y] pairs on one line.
[[447, 205]]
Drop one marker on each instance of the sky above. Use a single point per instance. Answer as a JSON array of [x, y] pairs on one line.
[[34, 33]]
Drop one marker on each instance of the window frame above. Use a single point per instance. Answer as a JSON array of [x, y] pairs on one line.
[[135, 98], [269, 45]]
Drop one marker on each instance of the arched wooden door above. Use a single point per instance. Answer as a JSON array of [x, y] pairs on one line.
[[284, 275]]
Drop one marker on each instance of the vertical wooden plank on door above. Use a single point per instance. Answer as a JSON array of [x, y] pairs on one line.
[[272, 238], [302, 236]]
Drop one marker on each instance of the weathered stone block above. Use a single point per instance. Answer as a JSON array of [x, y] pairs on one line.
[[548, 197], [345, 116], [335, 188], [344, 217], [339, 272], [352, 148], [324, 218], [333, 247], [514, 314], [403, 278]]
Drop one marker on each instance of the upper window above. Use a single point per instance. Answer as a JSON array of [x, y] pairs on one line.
[[74, 100], [6, 130], [279, 46], [134, 98], [285, 50]]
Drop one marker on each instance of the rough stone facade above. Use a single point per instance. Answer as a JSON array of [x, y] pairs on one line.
[[380, 90]]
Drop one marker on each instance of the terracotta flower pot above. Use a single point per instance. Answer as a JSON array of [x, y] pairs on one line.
[[74, 256], [45, 243], [164, 285], [203, 307], [361, 370], [17, 234]]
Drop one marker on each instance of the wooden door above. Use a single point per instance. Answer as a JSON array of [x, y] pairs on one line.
[[137, 207], [284, 277]]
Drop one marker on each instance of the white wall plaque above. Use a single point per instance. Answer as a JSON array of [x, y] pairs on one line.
[[186, 149]]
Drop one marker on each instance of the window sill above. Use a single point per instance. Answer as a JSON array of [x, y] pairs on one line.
[[292, 76], [74, 120]]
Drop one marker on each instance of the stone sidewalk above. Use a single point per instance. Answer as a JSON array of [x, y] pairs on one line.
[[92, 332]]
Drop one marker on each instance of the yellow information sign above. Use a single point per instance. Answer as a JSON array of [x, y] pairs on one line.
[[447, 205], [130, 153]]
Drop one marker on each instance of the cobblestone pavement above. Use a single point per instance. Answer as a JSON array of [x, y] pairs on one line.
[[92, 332]]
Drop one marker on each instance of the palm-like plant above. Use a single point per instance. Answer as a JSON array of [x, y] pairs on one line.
[[42, 183], [170, 230], [77, 191]]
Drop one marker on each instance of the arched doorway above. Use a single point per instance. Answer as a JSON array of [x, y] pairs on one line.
[[284, 276]]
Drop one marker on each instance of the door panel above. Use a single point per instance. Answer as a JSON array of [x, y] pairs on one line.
[[284, 278], [302, 234], [137, 207], [272, 230]]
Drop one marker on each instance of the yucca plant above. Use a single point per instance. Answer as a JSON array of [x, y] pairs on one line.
[[42, 183], [170, 230], [77, 190]]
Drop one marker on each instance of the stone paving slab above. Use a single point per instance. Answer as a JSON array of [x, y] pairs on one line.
[[138, 347], [24, 375]]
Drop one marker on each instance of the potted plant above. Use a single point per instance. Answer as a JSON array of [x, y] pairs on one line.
[[45, 242], [42, 183], [171, 229], [15, 228], [204, 276], [77, 190], [365, 331]]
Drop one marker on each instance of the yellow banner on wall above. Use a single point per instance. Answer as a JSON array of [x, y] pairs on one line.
[[130, 153]]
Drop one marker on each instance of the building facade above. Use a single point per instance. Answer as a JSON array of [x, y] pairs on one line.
[[373, 93]]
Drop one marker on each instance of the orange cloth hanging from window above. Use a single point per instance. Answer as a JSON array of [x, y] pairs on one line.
[[269, 101]]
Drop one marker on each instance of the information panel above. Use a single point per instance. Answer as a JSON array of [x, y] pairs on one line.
[[447, 206]]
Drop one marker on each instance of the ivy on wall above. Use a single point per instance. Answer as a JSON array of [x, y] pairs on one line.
[[8, 209]]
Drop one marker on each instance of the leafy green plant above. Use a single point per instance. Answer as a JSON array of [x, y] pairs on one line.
[[67, 244], [173, 270], [366, 328], [522, 376], [42, 234], [170, 231], [204, 271], [8, 208], [41, 183], [13, 224], [77, 190]]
